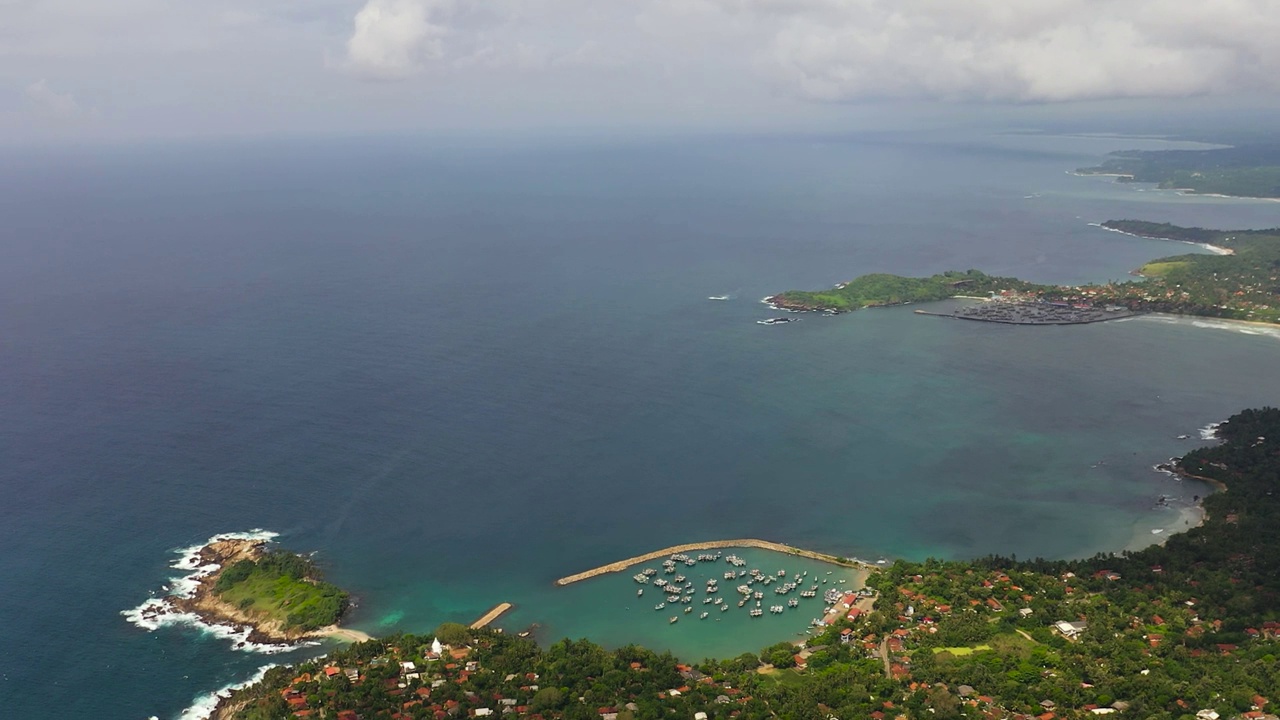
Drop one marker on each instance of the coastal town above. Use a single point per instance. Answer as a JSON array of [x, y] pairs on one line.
[[1181, 631]]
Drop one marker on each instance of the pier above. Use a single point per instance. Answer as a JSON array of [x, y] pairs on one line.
[[713, 544], [492, 615]]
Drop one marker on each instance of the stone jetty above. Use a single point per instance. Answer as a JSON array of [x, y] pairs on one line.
[[492, 615], [713, 544]]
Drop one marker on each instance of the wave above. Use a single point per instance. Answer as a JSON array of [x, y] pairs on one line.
[[157, 612], [1210, 431], [1243, 327], [202, 708], [1238, 327]]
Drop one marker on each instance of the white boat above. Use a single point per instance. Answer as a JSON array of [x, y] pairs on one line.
[[717, 297], [703, 616], [674, 619], [659, 606], [639, 592]]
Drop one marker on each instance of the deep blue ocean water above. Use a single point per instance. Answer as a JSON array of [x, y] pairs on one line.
[[458, 373]]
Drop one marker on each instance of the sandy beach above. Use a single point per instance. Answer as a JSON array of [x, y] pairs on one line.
[[1190, 516]]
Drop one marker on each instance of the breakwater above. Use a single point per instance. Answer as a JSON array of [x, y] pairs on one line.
[[492, 615], [709, 545]]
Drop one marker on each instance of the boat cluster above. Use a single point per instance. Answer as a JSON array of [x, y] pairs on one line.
[[681, 590]]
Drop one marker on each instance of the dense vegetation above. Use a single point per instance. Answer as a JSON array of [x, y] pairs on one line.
[[1165, 633], [1242, 286], [1244, 171], [284, 587], [884, 289]]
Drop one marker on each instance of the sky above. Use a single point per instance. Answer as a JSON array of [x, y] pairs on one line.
[[137, 69]]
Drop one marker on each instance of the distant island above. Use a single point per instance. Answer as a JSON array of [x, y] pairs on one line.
[[1187, 630], [1240, 281], [1243, 171], [279, 596]]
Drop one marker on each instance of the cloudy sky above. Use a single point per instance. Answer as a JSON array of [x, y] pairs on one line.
[[163, 68]]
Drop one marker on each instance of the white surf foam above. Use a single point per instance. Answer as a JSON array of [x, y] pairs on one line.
[[157, 612], [202, 708], [1215, 249], [1210, 431]]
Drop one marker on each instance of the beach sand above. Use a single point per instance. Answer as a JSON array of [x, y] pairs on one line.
[[1189, 516]]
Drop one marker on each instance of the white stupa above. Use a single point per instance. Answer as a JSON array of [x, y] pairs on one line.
[[436, 647]]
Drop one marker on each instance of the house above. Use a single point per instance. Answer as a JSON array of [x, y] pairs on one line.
[[1025, 612], [1070, 629]]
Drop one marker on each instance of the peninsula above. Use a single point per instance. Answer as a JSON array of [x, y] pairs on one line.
[[1251, 170], [279, 596], [1239, 281]]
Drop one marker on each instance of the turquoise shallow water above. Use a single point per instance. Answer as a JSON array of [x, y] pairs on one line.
[[459, 374], [607, 609]]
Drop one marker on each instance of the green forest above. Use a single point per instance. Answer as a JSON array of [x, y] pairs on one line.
[[284, 587], [1175, 632], [1244, 171]]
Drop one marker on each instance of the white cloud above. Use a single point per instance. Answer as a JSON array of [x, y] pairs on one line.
[[1014, 50], [394, 38], [50, 104]]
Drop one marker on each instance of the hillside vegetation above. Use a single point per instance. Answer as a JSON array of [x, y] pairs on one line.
[[284, 587]]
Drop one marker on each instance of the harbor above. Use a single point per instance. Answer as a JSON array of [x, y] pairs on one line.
[[683, 583], [715, 597], [1025, 312], [710, 545]]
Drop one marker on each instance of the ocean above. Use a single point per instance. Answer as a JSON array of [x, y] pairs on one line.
[[457, 372]]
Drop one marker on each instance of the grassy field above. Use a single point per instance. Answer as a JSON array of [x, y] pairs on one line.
[[785, 678], [1160, 269], [283, 588], [1010, 644], [962, 651]]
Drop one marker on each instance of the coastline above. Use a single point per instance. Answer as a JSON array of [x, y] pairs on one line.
[[1215, 249], [1206, 318], [1187, 192]]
